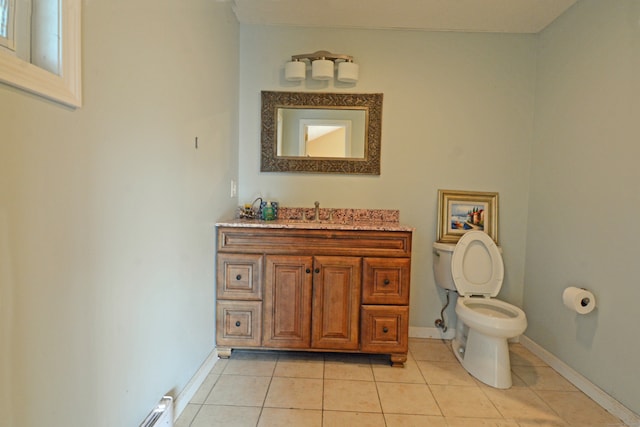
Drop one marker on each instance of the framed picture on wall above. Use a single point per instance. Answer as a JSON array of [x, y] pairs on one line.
[[462, 211]]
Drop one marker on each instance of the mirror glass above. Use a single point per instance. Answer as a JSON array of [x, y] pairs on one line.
[[321, 132]]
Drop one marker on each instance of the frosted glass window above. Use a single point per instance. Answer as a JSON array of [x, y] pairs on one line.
[[6, 23], [45, 35]]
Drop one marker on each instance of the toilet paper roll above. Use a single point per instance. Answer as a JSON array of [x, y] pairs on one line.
[[579, 300]]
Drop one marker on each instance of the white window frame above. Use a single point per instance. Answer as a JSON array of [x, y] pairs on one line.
[[65, 88]]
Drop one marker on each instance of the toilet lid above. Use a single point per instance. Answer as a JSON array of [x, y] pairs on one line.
[[476, 265]]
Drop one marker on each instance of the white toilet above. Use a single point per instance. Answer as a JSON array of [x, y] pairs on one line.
[[473, 267]]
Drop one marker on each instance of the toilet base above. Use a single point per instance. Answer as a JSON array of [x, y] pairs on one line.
[[486, 358]]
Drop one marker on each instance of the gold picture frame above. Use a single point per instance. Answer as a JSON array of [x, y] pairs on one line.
[[462, 211]]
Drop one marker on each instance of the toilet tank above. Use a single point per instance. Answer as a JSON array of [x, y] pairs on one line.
[[442, 253]]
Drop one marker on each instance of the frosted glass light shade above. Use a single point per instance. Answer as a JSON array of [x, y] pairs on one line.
[[322, 69], [295, 71], [348, 72]]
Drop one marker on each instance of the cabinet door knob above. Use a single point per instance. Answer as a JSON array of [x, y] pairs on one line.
[[239, 276], [386, 281], [385, 329], [317, 270], [238, 323], [308, 270]]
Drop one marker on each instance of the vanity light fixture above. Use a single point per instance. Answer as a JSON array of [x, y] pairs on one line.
[[322, 67]]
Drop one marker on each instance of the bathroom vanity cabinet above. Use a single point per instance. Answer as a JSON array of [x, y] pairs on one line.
[[313, 288]]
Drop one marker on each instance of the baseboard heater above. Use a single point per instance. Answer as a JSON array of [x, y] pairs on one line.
[[161, 415]]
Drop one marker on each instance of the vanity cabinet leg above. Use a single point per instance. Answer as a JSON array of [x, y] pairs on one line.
[[398, 359], [224, 352]]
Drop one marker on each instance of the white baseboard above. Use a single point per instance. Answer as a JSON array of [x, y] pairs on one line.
[[189, 390], [422, 332], [629, 417]]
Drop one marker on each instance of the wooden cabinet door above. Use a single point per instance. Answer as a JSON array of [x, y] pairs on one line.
[[336, 302], [287, 301]]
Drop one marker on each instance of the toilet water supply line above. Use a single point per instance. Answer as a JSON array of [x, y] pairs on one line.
[[440, 322]]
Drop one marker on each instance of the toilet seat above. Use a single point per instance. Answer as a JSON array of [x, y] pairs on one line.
[[476, 265]]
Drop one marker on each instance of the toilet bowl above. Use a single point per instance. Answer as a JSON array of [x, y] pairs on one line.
[[474, 269], [491, 316]]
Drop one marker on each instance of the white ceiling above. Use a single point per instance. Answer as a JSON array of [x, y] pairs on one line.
[[501, 16]]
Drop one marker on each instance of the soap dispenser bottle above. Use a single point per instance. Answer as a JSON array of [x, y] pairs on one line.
[[268, 214]]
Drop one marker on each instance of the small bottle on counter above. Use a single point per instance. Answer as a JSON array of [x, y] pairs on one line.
[[268, 213]]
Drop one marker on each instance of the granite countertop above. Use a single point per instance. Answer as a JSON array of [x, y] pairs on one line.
[[316, 225], [330, 219]]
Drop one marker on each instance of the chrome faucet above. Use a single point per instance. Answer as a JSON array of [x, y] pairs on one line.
[[317, 211]]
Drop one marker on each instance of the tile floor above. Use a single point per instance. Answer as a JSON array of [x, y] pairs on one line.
[[327, 389]]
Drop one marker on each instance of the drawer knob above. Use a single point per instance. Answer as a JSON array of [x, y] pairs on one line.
[[308, 270], [238, 323], [386, 281], [239, 276], [317, 270], [385, 329]]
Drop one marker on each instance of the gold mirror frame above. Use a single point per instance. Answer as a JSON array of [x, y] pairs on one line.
[[368, 165]]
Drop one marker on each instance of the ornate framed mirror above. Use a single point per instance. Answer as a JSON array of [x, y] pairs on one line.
[[321, 132]]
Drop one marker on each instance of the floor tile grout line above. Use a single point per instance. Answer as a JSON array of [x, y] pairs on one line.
[[264, 400], [433, 396], [324, 369], [204, 400], [195, 415], [535, 391], [379, 400], [495, 406]]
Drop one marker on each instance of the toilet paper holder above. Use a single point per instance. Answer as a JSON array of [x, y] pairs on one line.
[[579, 299]]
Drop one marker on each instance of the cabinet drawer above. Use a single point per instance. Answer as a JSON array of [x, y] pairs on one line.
[[239, 323], [239, 276], [386, 281], [385, 329]]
